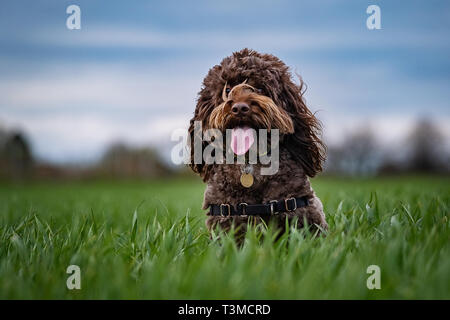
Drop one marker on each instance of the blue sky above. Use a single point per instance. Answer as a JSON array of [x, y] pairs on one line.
[[133, 70]]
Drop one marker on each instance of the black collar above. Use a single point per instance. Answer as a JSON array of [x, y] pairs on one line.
[[270, 208]]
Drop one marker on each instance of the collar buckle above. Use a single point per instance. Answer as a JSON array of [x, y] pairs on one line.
[[273, 203], [244, 206], [286, 205], [228, 207]]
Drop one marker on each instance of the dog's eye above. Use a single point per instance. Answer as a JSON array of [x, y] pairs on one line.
[[227, 90]]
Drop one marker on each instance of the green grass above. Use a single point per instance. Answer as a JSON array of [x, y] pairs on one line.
[[148, 240]]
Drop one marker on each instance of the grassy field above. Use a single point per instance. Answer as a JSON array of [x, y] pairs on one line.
[[148, 240]]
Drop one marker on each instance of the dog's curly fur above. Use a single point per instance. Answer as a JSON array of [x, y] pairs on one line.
[[264, 82]]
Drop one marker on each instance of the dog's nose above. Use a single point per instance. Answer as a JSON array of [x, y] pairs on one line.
[[240, 108]]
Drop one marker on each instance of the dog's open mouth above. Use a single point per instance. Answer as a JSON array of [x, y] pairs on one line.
[[242, 138]]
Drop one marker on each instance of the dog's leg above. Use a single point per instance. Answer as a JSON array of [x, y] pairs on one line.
[[314, 213], [226, 224]]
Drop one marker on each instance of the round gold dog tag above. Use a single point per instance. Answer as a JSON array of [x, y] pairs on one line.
[[247, 180]]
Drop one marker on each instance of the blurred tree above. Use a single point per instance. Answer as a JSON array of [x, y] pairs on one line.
[[16, 160], [121, 161], [358, 155], [426, 148]]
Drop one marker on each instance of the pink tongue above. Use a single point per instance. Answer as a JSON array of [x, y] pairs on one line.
[[241, 140]]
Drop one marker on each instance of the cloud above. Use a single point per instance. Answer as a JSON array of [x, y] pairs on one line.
[[72, 112], [389, 130], [127, 77], [280, 39], [64, 138], [99, 87]]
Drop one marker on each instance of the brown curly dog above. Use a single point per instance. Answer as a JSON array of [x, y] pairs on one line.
[[249, 90]]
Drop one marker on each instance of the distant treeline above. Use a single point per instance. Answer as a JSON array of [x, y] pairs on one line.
[[423, 151], [119, 162]]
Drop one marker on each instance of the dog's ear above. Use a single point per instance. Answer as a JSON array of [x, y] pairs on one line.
[[202, 110], [305, 143]]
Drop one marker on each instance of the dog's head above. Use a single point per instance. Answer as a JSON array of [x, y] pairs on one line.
[[256, 90], [244, 105]]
